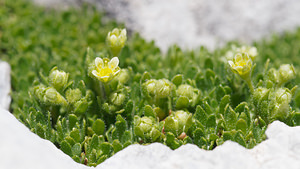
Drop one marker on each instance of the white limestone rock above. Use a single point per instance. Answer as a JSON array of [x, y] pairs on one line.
[[4, 85], [191, 23], [20, 148], [280, 151]]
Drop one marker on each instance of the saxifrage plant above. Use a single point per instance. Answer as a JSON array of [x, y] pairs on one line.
[[93, 104]]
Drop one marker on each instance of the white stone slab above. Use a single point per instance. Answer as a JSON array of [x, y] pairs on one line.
[[4, 85], [22, 149]]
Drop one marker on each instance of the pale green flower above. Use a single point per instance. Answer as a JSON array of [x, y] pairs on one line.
[[106, 69], [116, 40], [241, 64]]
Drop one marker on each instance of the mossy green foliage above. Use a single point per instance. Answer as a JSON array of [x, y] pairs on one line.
[[175, 98]]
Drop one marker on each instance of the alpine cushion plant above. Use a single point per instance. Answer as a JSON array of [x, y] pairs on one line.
[[94, 104]]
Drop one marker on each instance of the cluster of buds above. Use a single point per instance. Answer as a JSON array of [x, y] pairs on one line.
[[55, 94], [77, 101], [49, 95], [278, 102], [146, 128], [178, 123]]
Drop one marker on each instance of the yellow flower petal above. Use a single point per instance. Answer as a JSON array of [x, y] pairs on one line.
[[95, 73], [238, 57], [99, 62], [113, 63], [123, 32], [115, 31], [232, 65]]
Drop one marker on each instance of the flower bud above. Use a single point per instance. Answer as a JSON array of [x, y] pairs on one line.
[[145, 124], [286, 73], [154, 134], [185, 90], [280, 111], [116, 40], [163, 88], [73, 95], [39, 92], [283, 95], [178, 122], [123, 76], [259, 94], [273, 75], [281, 108], [58, 79], [229, 55], [183, 119], [146, 128], [81, 106], [117, 98], [53, 97], [150, 86]]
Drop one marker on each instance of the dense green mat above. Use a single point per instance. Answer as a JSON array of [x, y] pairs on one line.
[[177, 98]]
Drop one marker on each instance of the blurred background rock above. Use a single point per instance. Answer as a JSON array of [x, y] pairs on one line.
[[191, 23]]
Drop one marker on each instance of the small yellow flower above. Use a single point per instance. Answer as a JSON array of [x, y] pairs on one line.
[[106, 69], [241, 64], [116, 40]]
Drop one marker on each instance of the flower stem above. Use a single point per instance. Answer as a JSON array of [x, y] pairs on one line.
[[250, 85]]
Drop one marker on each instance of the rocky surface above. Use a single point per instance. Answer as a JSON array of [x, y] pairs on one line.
[[4, 85], [191, 23], [20, 148]]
